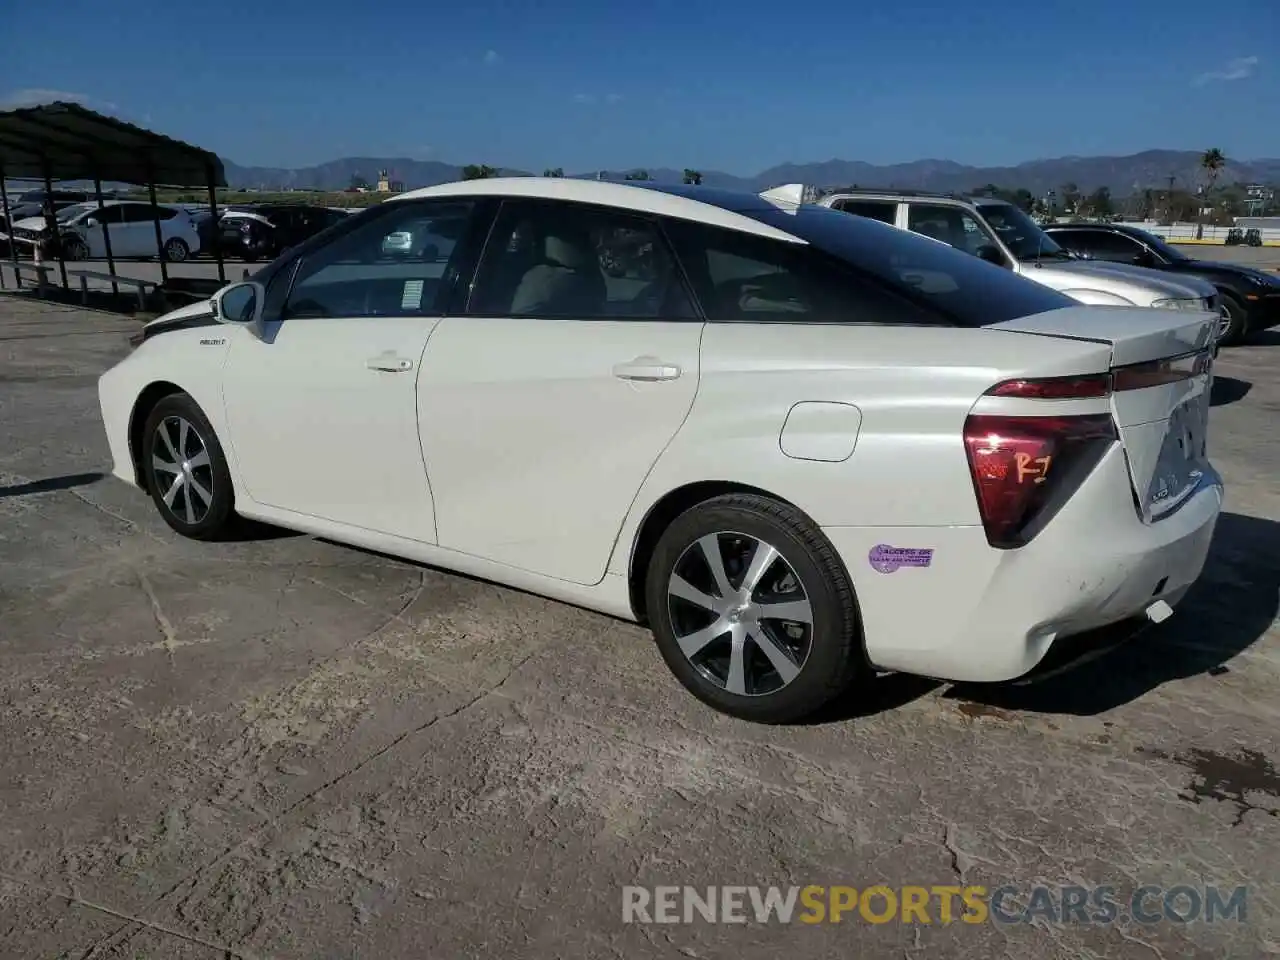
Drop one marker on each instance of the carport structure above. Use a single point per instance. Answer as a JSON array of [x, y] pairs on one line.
[[63, 141]]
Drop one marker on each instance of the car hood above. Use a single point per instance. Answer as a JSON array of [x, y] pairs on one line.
[[1138, 285], [30, 223], [1234, 269], [201, 308]]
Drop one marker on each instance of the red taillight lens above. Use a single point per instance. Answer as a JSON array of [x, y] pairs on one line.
[[1158, 372], [1024, 468], [1055, 388]]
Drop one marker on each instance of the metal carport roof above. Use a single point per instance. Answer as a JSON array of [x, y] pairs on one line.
[[65, 141]]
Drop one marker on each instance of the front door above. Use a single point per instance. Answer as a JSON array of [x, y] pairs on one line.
[[546, 404], [322, 411]]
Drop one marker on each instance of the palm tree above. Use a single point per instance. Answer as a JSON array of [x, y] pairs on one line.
[[692, 177], [1211, 162]]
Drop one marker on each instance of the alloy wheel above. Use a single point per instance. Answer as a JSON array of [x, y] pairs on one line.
[[182, 469], [175, 250], [740, 613], [1225, 319]]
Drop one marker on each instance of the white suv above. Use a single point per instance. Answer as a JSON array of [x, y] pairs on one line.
[[1001, 233]]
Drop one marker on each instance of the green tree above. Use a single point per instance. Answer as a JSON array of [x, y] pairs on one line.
[[637, 175], [553, 172], [478, 171], [1070, 196], [1098, 203], [1212, 162], [692, 177]]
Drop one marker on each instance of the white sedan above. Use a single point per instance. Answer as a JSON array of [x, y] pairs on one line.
[[84, 229], [800, 446]]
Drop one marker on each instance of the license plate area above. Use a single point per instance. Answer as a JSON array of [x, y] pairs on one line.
[[1182, 458]]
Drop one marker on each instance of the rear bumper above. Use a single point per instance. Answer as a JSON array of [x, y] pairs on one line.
[[980, 614]]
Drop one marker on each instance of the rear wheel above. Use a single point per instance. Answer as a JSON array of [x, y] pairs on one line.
[[753, 610], [186, 470], [1234, 324]]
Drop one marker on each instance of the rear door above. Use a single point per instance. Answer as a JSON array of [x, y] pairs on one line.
[[136, 231], [546, 403]]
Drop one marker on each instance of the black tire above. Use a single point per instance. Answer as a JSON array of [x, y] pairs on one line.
[[1238, 328], [205, 521], [829, 657], [73, 248], [176, 250]]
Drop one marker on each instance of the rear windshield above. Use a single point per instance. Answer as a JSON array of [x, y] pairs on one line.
[[971, 292]]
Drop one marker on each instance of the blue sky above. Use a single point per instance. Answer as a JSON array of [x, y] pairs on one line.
[[733, 87]]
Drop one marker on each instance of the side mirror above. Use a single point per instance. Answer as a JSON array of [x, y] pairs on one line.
[[991, 254], [91, 222], [240, 304]]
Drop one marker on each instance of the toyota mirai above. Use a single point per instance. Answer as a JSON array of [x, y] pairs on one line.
[[801, 447]]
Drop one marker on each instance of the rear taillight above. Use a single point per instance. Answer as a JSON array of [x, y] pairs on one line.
[[1055, 388], [1025, 468], [1139, 376]]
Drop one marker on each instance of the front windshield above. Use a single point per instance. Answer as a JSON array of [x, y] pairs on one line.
[[1020, 233], [73, 211], [1166, 250]]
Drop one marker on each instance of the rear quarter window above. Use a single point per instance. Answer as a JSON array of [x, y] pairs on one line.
[[967, 291]]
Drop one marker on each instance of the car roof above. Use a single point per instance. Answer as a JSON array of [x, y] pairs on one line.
[[1124, 228], [889, 193], [721, 208]]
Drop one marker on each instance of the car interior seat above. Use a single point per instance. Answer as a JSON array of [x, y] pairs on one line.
[[566, 282]]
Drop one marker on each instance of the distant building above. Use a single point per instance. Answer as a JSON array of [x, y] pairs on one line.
[[387, 185]]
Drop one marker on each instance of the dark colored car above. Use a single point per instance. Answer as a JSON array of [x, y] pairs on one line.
[[267, 230], [1250, 297]]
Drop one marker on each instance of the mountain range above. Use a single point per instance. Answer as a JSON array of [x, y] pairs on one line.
[[1123, 175]]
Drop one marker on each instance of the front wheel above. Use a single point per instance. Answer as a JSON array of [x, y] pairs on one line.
[[1234, 324], [186, 470], [176, 250], [74, 248], [753, 610]]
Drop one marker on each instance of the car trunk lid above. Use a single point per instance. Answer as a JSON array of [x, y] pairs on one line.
[[1162, 369]]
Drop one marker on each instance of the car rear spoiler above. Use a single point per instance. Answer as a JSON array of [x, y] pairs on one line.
[[792, 194]]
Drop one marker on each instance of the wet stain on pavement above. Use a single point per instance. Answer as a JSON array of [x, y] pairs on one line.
[[1230, 779]]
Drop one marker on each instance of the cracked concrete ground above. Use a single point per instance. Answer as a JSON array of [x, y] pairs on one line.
[[281, 747]]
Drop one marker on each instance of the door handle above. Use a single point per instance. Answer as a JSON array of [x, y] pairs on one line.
[[390, 363], [647, 369]]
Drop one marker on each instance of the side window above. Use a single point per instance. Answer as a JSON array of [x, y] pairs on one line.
[[740, 277], [886, 211], [572, 261], [141, 213], [109, 214], [954, 226], [1112, 246], [395, 265]]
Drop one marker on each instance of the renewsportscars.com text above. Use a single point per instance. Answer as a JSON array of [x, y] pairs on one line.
[[936, 904]]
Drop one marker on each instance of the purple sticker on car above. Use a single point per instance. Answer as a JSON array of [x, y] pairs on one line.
[[886, 559]]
